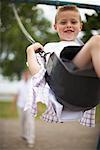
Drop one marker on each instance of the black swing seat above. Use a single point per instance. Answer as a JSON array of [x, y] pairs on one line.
[[77, 90]]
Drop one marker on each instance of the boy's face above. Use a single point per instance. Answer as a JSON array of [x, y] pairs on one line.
[[68, 25]]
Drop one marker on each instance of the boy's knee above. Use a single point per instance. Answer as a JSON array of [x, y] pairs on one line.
[[95, 39], [95, 42]]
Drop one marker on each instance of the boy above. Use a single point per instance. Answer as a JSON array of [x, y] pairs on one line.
[[68, 25], [27, 122]]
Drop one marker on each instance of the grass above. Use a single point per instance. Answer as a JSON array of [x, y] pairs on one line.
[[7, 111], [98, 113]]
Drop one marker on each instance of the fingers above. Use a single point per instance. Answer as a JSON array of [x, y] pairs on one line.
[[35, 47]]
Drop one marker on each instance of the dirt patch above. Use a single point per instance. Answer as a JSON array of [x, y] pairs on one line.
[[65, 136]]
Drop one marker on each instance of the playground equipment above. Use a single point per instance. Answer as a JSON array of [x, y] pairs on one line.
[[59, 3]]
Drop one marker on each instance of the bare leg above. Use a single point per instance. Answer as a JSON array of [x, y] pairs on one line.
[[89, 53]]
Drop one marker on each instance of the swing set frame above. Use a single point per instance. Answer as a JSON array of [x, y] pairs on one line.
[[59, 3]]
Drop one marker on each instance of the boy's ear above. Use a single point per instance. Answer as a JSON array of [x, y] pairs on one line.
[[55, 27], [81, 26]]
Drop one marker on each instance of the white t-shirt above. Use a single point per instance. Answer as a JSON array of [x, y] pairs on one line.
[[57, 47], [23, 91]]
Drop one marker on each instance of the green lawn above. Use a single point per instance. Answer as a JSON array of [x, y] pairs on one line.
[[98, 113], [7, 111]]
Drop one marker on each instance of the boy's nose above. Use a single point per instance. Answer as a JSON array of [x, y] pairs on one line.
[[68, 25]]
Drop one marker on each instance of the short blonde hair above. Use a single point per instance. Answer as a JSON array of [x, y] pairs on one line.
[[67, 8]]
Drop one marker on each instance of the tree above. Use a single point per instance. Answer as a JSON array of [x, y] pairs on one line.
[[92, 23], [13, 41]]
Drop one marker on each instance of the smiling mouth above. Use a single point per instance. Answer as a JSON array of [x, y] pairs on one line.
[[68, 31]]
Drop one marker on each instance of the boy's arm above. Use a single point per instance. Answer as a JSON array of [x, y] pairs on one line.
[[14, 102], [33, 64]]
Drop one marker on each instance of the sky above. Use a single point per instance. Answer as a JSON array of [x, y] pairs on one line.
[[95, 2], [50, 10]]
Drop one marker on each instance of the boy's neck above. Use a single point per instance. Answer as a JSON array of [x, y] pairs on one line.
[[67, 40]]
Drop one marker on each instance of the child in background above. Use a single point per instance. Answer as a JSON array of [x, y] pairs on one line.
[[68, 25], [27, 122]]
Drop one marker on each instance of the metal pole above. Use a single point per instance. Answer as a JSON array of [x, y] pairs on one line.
[[23, 29], [59, 3]]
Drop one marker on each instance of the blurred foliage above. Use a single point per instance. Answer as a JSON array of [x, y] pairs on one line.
[[13, 42], [91, 24]]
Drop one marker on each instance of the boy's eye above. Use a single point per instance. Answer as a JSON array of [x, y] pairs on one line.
[[63, 22], [73, 21]]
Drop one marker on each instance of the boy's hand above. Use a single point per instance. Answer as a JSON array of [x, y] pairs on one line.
[[32, 62], [35, 47]]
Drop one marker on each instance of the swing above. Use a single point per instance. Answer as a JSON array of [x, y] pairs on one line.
[[70, 85], [73, 89]]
